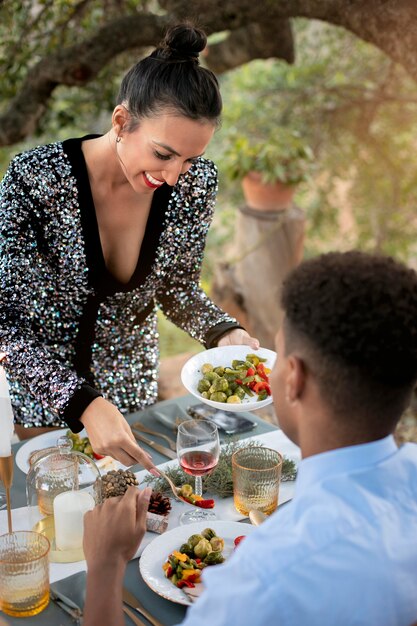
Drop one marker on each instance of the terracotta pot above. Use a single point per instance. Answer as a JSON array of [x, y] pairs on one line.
[[266, 196]]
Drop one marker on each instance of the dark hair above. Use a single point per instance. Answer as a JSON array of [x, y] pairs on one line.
[[171, 79], [354, 317]]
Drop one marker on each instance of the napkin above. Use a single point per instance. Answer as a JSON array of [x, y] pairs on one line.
[[69, 594]]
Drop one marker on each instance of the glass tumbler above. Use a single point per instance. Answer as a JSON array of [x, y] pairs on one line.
[[256, 479], [24, 573]]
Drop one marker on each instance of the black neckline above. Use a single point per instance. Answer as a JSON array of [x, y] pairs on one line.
[[99, 276]]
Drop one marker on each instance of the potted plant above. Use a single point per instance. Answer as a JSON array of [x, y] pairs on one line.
[[269, 170]]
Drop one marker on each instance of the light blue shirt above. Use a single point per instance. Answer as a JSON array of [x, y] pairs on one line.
[[343, 552]]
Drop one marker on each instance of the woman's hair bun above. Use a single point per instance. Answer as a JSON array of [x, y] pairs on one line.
[[184, 40]]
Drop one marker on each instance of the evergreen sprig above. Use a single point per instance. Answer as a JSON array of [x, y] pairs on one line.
[[220, 481]]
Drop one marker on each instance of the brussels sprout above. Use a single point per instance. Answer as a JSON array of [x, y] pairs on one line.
[[194, 539], [240, 392], [203, 385], [210, 376], [234, 399], [228, 393], [202, 549], [217, 543], [208, 533], [219, 370], [220, 384], [205, 395], [213, 558], [206, 368], [186, 490], [187, 549], [218, 396]]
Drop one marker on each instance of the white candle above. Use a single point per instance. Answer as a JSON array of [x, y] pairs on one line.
[[69, 510], [6, 417]]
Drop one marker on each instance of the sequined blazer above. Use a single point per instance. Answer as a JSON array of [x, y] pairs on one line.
[[69, 329]]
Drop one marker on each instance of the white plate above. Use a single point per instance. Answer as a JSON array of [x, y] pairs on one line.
[[191, 373], [157, 552], [50, 439]]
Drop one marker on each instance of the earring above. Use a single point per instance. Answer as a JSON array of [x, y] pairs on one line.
[[118, 139]]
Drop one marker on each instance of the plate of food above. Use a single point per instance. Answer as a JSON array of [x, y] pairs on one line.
[[231, 378], [183, 553], [81, 443]]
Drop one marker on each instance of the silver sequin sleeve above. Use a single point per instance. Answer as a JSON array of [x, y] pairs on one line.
[[29, 306], [182, 299]]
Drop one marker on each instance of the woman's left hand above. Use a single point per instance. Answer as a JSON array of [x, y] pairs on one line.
[[238, 337]]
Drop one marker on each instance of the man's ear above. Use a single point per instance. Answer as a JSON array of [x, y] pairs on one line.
[[119, 119], [295, 379]]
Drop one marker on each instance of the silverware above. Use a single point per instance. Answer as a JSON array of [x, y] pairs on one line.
[[133, 602], [66, 605], [133, 617], [145, 429], [256, 517], [175, 490], [156, 446]]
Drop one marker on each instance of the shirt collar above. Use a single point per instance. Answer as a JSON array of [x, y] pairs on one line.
[[342, 460]]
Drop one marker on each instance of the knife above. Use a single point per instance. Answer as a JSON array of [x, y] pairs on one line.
[[132, 601], [135, 620], [156, 446]]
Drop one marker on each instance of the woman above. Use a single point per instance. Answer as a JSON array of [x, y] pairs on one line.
[[95, 233]]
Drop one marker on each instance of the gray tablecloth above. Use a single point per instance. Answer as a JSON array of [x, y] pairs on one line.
[[167, 612]]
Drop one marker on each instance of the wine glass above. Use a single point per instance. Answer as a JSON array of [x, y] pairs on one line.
[[198, 450]]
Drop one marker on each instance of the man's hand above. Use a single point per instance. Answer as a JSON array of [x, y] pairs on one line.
[[238, 337], [113, 530], [109, 433], [112, 534]]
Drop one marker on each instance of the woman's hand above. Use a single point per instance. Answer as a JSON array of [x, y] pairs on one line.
[[109, 433], [238, 337]]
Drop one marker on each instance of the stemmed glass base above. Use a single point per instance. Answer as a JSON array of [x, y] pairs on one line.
[[197, 515]]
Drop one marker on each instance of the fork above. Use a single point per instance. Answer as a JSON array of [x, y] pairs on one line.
[[175, 490], [145, 429]]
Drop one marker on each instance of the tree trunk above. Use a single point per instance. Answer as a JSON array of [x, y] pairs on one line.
[[267, 246]]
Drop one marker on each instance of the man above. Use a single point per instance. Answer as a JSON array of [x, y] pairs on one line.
[[344, 551]]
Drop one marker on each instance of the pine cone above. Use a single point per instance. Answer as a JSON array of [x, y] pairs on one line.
[[116, 482], [159, 504]]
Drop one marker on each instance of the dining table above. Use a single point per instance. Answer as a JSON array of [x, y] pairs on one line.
[[162, 418]]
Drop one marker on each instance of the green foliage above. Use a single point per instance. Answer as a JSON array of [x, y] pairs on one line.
[[220, 481], [357, 111], [284, 157]]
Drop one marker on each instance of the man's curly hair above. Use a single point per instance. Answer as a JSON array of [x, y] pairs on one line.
[[353, 316]]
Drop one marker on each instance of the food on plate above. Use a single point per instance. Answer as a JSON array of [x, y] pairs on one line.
[[82, 444], [183, 567], [186, 492], [232, 384], [238, 540]]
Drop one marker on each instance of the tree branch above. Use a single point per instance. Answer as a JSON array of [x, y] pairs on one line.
[[255, 41], [256, 32]]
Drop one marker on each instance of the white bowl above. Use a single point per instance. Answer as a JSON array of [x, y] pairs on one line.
[[191, 374]]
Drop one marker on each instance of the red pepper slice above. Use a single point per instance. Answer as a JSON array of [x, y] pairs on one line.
[[205, 504], [169, 571], [98, 456], [238, 381], [261, 372], [184, 583], [238, 540], [250, 372]]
